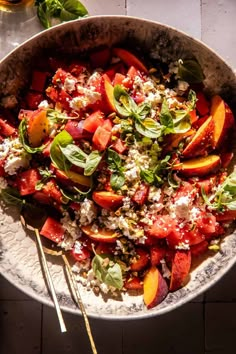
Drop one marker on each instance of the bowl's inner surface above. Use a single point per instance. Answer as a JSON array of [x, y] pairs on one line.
[[19, 257]]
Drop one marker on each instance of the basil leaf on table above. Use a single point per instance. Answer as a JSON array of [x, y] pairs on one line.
[[24, 141], [92, 162], [12, 196], [107, 271], [62, 10], [59, 142], [190, 71]]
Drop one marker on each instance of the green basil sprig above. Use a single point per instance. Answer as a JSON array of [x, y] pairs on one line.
[[114, 161], [64, 153], [190, 71], [62, 140], [107, 271], [225, 195], [46, 176], [177, 120], [24, 140], [62, 10], [11, 196], [55, 116], [126, 107], [155, 175]]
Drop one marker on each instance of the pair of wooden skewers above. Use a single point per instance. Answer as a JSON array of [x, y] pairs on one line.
[[72, 282]]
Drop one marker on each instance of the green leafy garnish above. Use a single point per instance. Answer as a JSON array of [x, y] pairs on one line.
[[190, 71], [24, 140], [225, 195], [55, 116], [46, 175], [177, 120], [155, 175], [74, 154], [59, 142], [127, 108], [12, 196], [92, 162], [114, 161], [107, 271], [61, 10]]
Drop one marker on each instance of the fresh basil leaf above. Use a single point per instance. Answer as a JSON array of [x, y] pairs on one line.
[[107, 271], [72, 9], [55, 116], [182, 126], [190, 71], [231, 205], [92, 162], [122, 101], [46, 175], [43, 15], [62, 10], [117, 180], [74, 154], [147, 176], [113, 160], [173, 183], [12, 196], [78, 196], [23, 139], [192, 98], [143, 109], [148, 127], [166, 118], [60, 141]]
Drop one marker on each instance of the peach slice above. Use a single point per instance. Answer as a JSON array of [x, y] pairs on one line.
[[172, 140], [38, 128], [107, 200], [200, 166], [180, 269], [201, 140], [155, 288], [223, 119], [130, 59], [100, 235], [108, 93]]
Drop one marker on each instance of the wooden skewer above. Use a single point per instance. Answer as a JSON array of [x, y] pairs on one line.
[[78, 299], [50, 282]]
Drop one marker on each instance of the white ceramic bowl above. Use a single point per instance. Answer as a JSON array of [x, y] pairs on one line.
[[19, 256]]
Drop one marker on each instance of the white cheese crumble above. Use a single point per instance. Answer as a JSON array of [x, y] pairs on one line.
[[181, 208], [87, 97], [88, 212], [43, 104], [15, 155], [69, 84]]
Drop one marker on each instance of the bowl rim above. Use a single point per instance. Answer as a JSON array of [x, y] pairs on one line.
[[190, 296]]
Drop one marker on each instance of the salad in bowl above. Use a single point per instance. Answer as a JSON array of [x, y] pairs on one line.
[[127, 161]]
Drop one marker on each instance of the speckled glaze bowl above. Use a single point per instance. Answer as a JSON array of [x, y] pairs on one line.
[[19, 261]]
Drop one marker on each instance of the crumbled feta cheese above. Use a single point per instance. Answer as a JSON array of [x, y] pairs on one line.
[[13, 163], [181, 208], [15, 155], [69, 84], [87, 97], [182, 246], [43, 104], [88, 212]]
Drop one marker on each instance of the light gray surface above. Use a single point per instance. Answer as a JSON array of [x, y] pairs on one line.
[[206, 326]]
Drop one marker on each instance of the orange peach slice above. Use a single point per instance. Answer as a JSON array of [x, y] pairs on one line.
[[172, 140], [108, 92], [130, 59], [155, 288], [223, 119], [200, 166], [100, 235], [201, 140], [180, 269], [107, 200], [38, 128]]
